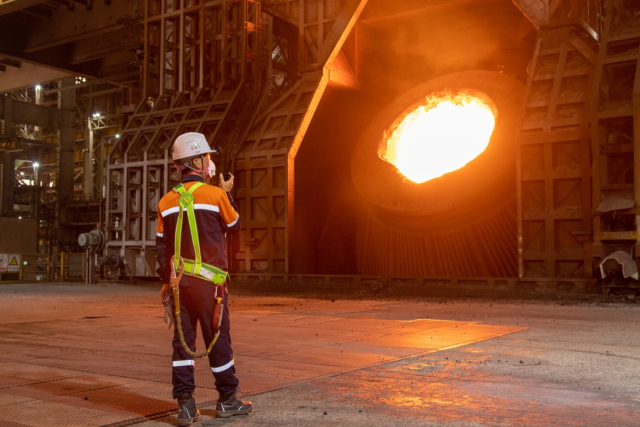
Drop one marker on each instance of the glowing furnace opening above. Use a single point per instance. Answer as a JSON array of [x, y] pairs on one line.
[[440, 136]]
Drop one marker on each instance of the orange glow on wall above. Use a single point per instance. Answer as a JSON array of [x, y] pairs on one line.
[[440, 136]]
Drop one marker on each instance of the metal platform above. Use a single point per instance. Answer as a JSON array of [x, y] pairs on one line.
[[94, 356]]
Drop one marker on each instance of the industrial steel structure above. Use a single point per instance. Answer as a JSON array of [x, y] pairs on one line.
[[299, 93]]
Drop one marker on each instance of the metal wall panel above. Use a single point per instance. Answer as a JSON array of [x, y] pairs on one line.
[[554, 163], [615, 131]]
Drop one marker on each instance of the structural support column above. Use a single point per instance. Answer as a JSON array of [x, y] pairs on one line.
[[66, 139], [88, 161], [8, 163], [39, 99], [100, 168], [6, 191]]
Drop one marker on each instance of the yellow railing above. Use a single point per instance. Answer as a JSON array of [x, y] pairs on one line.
[[72, 266]]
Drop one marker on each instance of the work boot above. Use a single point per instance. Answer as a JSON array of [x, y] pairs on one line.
[[187, 411], [230, 406]]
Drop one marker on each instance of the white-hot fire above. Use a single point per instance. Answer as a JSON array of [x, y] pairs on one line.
[[440, 136]]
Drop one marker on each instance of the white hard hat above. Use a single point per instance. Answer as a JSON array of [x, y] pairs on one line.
[[190, 144]]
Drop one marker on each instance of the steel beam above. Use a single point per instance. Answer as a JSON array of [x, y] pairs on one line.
[[89, 34], [26, 113], [12, 6]]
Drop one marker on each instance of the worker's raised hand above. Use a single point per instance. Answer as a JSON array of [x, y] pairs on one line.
[[226, 185]]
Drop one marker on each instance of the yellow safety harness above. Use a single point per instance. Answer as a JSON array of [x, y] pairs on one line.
[[194, 268]]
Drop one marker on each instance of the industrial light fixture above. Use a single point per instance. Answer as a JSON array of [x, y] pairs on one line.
[[38, 87], [96, 115], [36, 164], [117, 135]]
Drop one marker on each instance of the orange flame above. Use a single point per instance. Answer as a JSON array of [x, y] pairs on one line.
[[439, 136]]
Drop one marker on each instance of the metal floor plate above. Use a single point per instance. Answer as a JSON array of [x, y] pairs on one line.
[[99, 369]]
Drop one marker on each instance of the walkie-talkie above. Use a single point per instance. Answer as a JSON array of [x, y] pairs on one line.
[[217, 150], [227, 175]]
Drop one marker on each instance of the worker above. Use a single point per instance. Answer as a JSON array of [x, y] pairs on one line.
[[215, 215]]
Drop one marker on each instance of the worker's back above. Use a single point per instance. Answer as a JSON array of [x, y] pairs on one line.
[[215, 213]]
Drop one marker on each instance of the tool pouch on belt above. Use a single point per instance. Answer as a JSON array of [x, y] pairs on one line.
[[218, 309]]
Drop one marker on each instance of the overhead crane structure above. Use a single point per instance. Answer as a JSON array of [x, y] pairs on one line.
[[288, 88]]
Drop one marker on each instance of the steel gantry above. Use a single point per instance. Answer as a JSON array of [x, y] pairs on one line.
[[246, 74]]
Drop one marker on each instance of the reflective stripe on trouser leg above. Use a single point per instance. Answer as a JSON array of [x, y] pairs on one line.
[[179, 363], [182, 373], [218, 369]]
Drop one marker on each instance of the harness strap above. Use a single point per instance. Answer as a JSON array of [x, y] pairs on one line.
[[194, 268], [186, 201]]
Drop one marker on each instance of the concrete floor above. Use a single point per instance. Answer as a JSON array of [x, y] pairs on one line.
[[100, 355]]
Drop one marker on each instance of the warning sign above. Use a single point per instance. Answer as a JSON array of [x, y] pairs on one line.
[[14, 263], [4, 262]]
